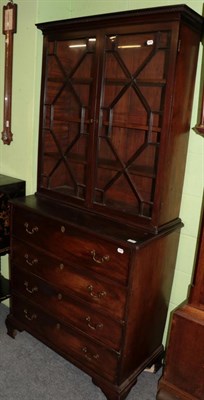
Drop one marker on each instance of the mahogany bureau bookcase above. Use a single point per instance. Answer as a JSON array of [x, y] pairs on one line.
[[93, 251]]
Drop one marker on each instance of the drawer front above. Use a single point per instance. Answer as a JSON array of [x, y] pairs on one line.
[[104, 296], [92, 356], [71, 244], [68, 310]]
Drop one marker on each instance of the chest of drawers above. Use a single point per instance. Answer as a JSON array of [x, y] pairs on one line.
[[98, 296]]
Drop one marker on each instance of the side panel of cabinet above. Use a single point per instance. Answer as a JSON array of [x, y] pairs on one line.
[[173, 161], [149, 295]]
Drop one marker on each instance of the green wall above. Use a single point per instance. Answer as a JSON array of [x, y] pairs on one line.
[[20, 158]]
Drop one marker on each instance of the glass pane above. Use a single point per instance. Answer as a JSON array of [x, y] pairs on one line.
[[67, 116], [134, 78]]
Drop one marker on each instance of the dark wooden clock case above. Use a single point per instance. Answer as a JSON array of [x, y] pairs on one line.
[[93, 251], [183, 375]]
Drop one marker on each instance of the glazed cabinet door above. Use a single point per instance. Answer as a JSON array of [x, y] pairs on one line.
[[67, 116], [112, 130], [135, 74], [102, 116]]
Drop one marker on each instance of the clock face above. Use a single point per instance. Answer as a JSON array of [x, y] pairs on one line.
[[8, 19]]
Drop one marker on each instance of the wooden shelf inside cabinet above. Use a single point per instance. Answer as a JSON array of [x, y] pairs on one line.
[[75, 158], [140, 170], [134, 170], [137, 127]]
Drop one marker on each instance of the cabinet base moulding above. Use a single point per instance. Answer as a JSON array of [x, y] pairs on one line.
[[167, 392], [120, 392]]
